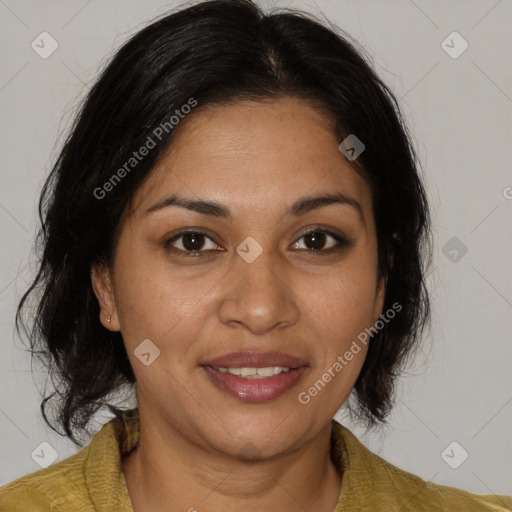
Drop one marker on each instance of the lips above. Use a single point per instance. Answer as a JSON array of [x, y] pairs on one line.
[[254, 390], [255, 360]]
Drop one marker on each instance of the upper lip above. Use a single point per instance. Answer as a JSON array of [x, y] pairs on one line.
[[254, 360]]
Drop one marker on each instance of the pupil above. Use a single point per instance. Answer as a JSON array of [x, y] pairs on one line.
[[317, 239], [192, 241]]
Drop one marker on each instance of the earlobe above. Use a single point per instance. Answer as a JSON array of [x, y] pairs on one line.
[[102, 285]]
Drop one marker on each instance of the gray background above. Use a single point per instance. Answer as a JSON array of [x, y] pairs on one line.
[[459, 111]]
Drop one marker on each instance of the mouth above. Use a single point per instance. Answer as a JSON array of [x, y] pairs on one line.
[[253, 376]]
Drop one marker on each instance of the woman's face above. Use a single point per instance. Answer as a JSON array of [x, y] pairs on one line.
[[256, 283]]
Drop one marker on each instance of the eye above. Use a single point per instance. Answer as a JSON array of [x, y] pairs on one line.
[[316, 239], [191, 243], [195, 243]]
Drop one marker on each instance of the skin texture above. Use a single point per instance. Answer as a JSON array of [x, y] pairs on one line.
[[255, 158]]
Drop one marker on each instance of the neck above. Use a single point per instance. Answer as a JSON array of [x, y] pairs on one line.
[[168, 471]]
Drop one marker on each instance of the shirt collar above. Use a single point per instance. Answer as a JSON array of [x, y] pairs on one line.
[[107, 485], [103, 471]]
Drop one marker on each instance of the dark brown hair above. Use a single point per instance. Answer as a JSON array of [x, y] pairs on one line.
[[218, 51]]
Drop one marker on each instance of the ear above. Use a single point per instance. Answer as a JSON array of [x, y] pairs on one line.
[[382, 282], [101, 280], [380, 295]]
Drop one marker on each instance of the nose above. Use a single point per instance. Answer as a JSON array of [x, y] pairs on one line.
[[259, 295]]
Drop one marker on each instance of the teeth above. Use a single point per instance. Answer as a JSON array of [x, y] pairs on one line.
[[255, 373]]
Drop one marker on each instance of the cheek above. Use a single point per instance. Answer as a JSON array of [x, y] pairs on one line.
[[173, 307], [156, 302], [344, 299]]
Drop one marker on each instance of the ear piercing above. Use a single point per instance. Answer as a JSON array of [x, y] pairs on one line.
[[108, 317]]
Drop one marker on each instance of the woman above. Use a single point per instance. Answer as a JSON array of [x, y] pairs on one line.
[[236, 227]]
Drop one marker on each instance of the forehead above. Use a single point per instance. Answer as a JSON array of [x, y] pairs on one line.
[[252, 152]]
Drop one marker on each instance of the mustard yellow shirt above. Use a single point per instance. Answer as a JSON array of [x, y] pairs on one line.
[[92, 480]]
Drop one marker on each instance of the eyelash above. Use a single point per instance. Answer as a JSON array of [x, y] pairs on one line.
[[341, 243]]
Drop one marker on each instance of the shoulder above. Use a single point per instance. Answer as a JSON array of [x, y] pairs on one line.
[[453, 499], [91, 479], [412, 493], [375, 484], [59, 485]]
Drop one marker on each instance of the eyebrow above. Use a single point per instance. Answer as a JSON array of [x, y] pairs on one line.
[[300, 207]]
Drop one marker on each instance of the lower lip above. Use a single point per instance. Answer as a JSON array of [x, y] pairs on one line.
[[255, 390]]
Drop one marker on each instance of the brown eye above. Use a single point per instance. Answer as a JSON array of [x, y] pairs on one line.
[[316, 240], [191, 242]]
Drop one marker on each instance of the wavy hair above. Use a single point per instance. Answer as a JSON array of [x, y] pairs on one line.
[[217, 52]]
